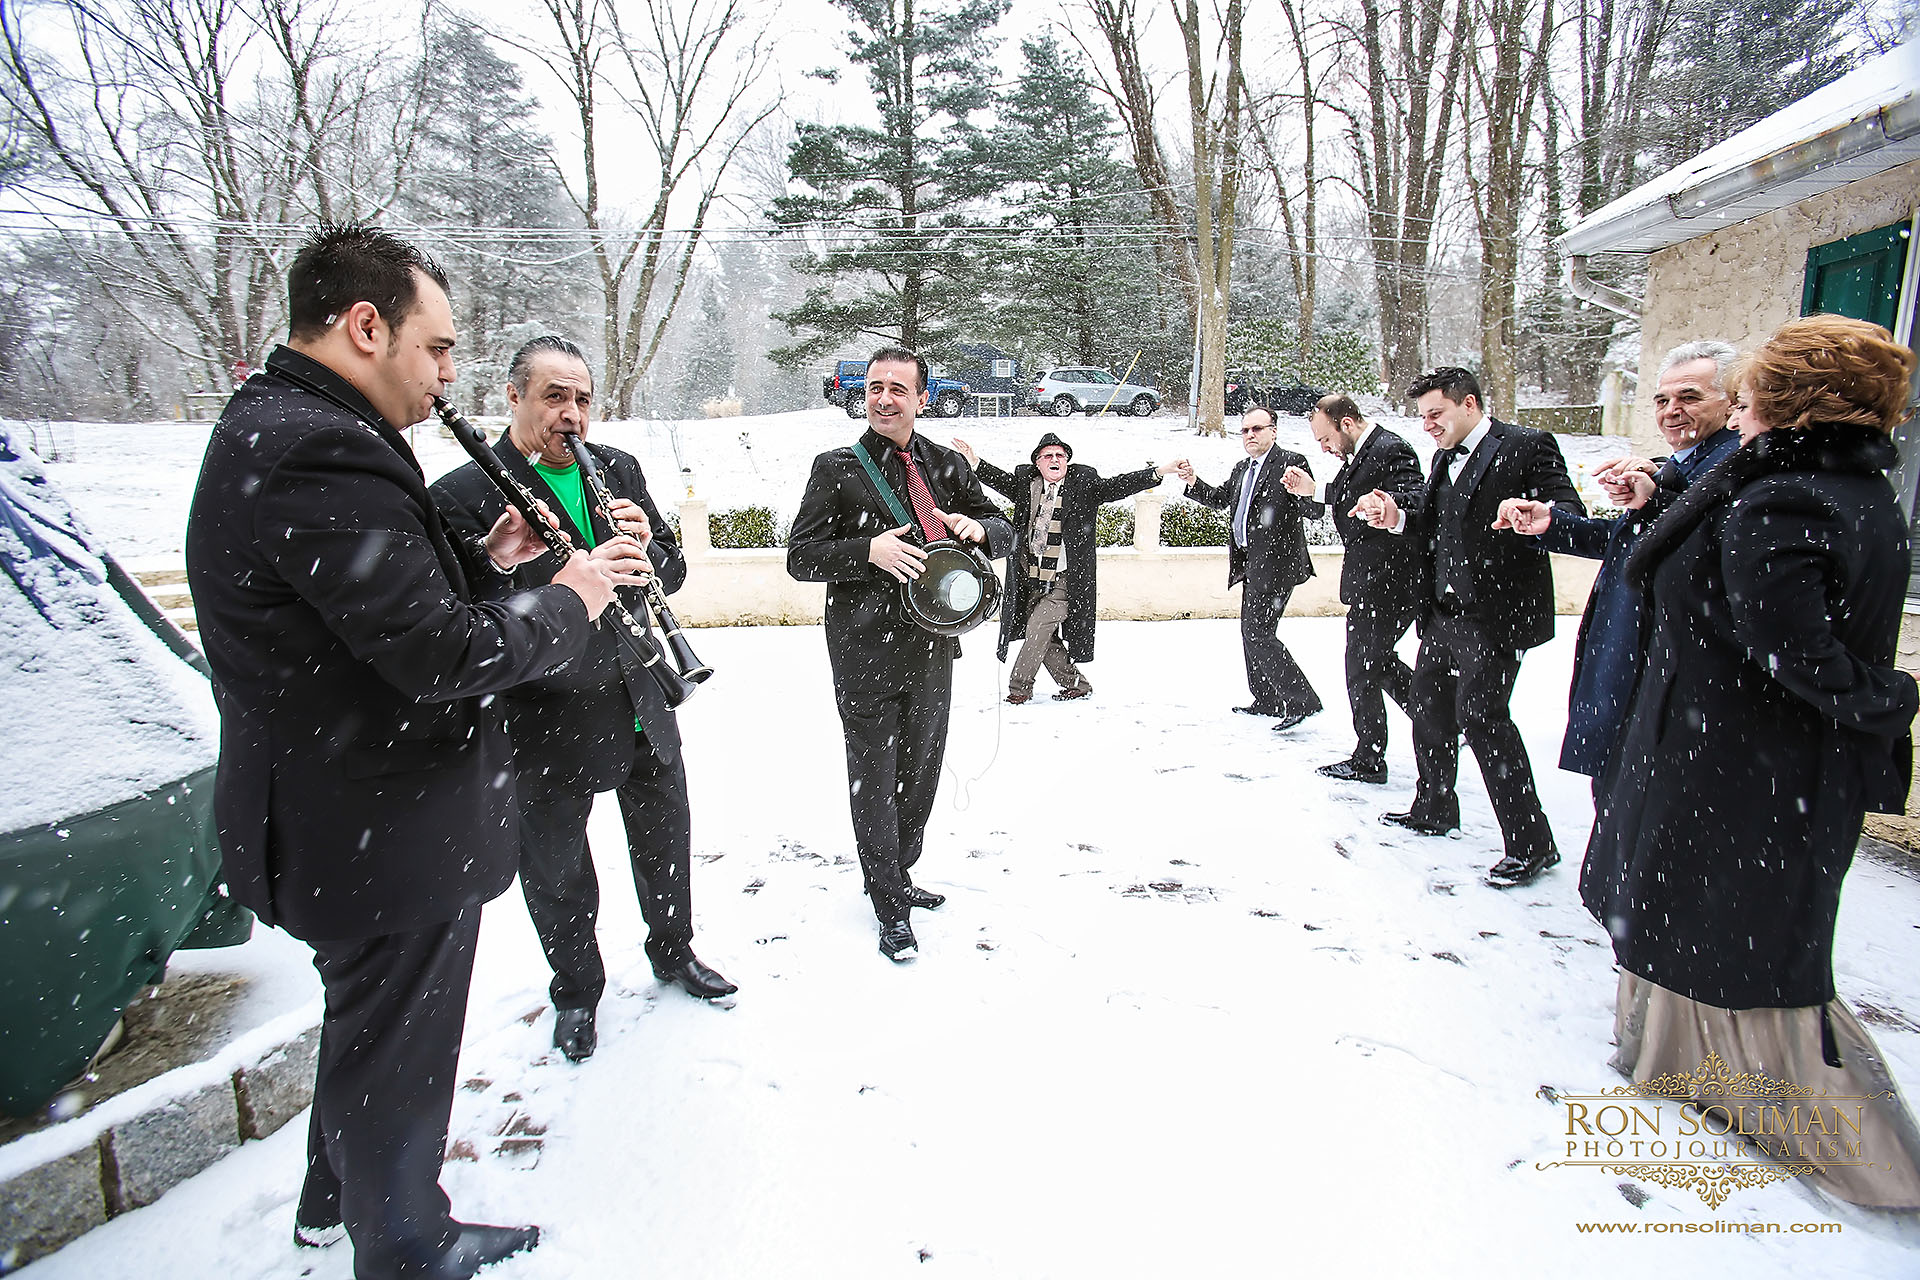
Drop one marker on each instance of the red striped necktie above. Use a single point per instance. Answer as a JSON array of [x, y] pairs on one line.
[[922, 499]]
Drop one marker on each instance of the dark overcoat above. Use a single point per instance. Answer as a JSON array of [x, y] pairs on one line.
[[1082, 493], [365, 786], [1378, 568], [1612, 640], [1504, 583], [1768, 721], [871, 642], [1275, 558], [575, 726]]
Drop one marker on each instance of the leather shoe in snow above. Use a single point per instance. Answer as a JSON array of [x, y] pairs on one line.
[[897, 942], [1350, 770], [479, 1246], [573, 1033], [695, 979]]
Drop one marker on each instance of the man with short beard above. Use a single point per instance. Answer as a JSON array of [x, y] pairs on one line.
[[1380, 580]]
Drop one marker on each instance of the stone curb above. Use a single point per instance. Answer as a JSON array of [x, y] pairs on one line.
[[135, 1161]]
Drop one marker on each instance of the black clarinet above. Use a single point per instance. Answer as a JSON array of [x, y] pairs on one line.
[[635, 640], [681, 649]]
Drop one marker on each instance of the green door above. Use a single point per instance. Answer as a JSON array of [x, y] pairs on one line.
[[1859, 276]]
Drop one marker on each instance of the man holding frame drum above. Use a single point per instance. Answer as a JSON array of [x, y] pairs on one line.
[[892, 669]]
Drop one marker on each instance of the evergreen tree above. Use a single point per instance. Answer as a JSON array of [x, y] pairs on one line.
[[893, 204], [1076, 269], [485, 172], [1731, 63], [709, 369]]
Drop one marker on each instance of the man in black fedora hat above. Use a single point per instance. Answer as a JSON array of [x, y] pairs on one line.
[[1051, 590]]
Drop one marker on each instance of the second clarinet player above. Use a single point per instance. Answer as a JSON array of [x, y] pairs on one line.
[[594, 725]]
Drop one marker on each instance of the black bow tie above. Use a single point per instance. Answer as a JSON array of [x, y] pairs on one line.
[[1458, 451]]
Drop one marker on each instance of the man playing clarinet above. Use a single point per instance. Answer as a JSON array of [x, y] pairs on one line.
[[591, 725], [362, 801]]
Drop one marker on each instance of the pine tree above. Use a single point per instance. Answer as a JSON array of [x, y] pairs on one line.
[[709, 370], [1731, 63], [892, 205], [486, 170], [1077, 271]]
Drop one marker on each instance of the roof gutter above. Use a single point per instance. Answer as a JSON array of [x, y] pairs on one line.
[[1586, 288], [1892, 123], [1850, 141]]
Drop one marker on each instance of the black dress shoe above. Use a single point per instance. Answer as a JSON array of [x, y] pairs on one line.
[[1513, 871], [1424, 826], [695, 979], [897, 943], [480, 1246], [925, 899], [1292, 718], [573, 1033], [1255, 709], [318, 1235], [1349, 770]]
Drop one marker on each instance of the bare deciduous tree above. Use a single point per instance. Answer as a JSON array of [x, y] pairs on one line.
[[1507, 73], [1133, 97], [1214, 102], [196, 135], [1300, 207], [685, 76], [1410, 80]]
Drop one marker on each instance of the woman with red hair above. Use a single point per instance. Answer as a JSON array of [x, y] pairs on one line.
[[1769, 720]]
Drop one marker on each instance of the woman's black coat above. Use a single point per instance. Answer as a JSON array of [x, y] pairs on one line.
[[1768, 720]]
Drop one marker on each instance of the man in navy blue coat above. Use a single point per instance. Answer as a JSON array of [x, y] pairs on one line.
[[1691, 407]]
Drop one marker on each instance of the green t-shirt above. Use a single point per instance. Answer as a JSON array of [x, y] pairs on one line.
[[571, 491]]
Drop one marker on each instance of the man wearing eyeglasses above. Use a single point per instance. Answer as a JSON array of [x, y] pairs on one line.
[[1267, 553]]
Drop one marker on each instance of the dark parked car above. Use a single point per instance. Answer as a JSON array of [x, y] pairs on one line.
[[1246, 387]]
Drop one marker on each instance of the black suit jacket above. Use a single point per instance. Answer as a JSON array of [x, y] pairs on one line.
[[1082, 493], [1380, 568], [870, 641], [364, 786], [1275, 557], [1503, 582], [575, 726]]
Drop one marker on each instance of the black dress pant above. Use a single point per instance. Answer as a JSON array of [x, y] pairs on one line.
[[562, 889], [896, 741], [383, 1092], [1462, 684], [1375, 672], [1273, 677]]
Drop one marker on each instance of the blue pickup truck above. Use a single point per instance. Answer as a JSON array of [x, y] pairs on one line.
[[846, 386]]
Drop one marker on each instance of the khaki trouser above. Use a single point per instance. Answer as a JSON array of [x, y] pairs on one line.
[[1043, 646]]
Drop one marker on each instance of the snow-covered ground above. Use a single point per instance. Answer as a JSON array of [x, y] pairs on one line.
[[1189, 1011]]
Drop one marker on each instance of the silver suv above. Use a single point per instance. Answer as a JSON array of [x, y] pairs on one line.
[[1061, 391]]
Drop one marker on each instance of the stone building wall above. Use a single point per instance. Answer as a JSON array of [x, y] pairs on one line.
[[1742, 282]]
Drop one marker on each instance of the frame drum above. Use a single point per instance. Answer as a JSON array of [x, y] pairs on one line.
[[958, 591]]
